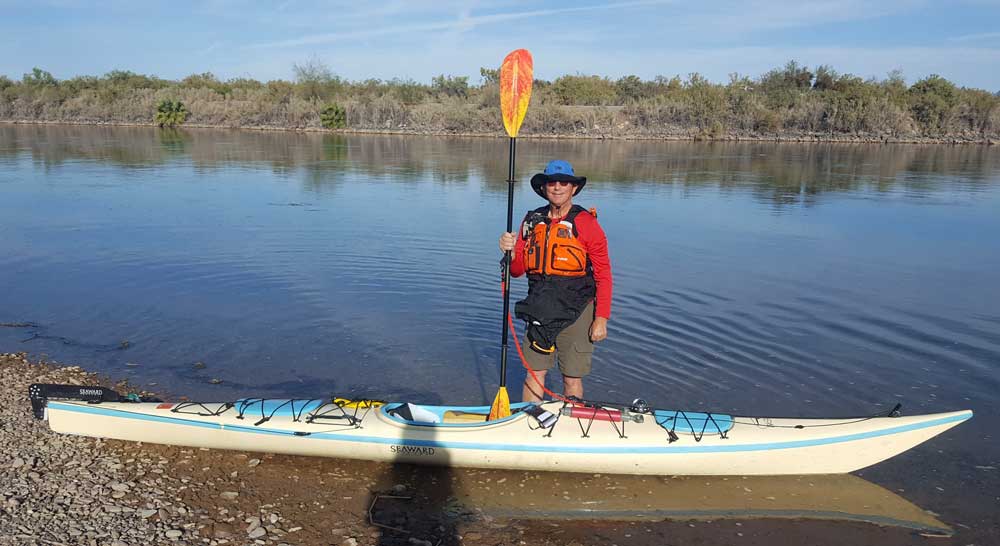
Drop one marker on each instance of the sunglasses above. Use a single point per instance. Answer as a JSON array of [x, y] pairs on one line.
[[562, 183]]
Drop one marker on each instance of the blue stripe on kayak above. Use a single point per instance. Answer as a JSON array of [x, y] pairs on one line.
[[663, 450]]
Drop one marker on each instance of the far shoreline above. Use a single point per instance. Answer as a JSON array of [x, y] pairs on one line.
[[798, 138]]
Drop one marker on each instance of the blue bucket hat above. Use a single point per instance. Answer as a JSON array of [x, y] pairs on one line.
[[557, 169]]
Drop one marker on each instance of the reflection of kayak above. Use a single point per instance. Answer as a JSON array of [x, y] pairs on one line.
[[552, 436], [829, 497]]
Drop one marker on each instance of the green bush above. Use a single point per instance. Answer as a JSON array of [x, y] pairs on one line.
[[767, 122], [585, 90], [631, 89], [244, 83], [489, 75], [170, 113], [130, 80], [315, 81], [706, 100], [931, 101], [39, 78], [206, 80], [280, 91], [333, 117], [451, 86], [976, 110]]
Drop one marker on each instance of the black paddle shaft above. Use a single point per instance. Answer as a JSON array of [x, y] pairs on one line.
[[506, 265]]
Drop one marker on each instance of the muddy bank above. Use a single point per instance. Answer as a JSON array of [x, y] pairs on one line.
[[71, 490]]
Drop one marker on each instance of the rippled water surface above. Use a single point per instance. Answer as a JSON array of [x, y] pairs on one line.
[[805, 279]]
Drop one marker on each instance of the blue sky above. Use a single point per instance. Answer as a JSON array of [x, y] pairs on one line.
[[419, 39]]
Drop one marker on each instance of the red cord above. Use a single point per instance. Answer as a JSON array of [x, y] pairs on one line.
[[524, 361]]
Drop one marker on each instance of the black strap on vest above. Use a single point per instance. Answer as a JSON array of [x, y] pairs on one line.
[[541, 215]]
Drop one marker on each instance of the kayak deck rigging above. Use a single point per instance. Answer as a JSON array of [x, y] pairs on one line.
[[353, 412]]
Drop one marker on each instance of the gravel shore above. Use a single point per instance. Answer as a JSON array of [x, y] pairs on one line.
[[67, 490], [57, 489]]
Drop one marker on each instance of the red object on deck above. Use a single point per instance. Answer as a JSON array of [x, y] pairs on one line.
[[597, 414]]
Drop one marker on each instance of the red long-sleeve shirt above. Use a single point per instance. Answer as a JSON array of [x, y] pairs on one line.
[[592, 237]]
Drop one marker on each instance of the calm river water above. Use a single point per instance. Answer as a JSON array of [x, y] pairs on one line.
[[754, 278]]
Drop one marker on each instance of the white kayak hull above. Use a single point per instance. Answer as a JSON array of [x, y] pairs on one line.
[[742, 446]]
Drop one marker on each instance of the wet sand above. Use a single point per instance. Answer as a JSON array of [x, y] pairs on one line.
[[72, 490]]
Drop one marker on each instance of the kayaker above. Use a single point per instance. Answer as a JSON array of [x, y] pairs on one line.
[[564, 252]]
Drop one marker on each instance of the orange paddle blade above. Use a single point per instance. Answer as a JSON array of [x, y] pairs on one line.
[[501, 406], [516, 75]]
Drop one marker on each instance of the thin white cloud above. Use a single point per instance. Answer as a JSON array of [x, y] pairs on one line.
[[747, 17], [211, 48], [462, 24], [975, 37]]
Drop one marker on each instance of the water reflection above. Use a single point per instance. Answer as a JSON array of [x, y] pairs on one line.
[[555, 496], [778, 173]]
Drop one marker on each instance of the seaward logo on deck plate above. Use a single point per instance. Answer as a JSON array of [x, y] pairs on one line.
[[411, 450]]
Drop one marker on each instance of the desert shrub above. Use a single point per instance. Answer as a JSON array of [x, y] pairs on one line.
[[975, 111], [279, 91], [383, 112], [407, 91], [767, 122], [39, 78], [707, 101], [315, 81], [631, 89], [130, 80], [206, 80], [584, 91], [170, 113], [246, 84], [931, 101], [333, 116], [450, 86], [489, 76]]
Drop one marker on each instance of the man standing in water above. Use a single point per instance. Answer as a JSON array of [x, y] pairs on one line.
[[564, 252]]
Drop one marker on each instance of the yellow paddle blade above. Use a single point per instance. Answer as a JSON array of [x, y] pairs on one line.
[[361, 404], [516, 76], [501, 406]]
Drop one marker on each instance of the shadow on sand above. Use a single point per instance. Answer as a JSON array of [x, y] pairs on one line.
[[413, 504]]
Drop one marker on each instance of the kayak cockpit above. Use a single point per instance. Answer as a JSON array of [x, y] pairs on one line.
[[446, 416]]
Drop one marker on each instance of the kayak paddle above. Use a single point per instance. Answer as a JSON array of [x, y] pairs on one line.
[[515, 92]]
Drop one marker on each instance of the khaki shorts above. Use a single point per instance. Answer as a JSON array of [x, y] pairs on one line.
[[573, 348]]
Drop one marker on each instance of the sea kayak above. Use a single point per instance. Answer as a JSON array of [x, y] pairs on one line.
[[557, 436]]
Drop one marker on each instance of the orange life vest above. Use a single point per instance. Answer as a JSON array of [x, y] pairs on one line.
[[553, 248]]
